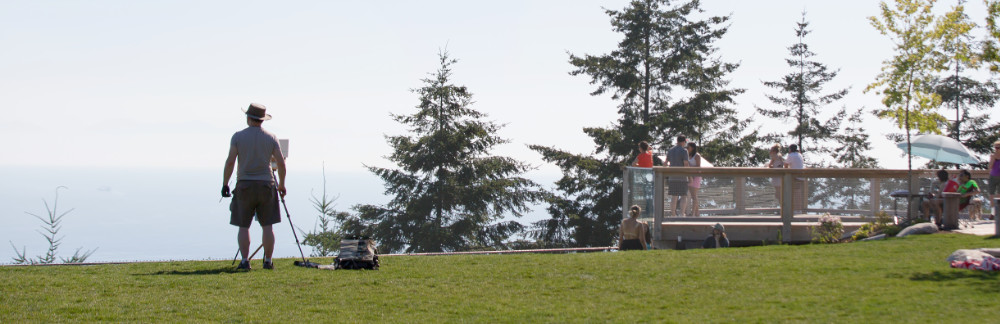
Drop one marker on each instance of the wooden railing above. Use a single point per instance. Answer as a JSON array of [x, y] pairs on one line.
[[800, 184]]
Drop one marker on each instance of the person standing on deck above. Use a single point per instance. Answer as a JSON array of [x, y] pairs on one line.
[[795, 161], [645, 158], [695, 185], [994, 185], [677, 186], [777, 162]]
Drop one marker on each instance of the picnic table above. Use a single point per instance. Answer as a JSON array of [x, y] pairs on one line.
[[949, 218], [909, 198]]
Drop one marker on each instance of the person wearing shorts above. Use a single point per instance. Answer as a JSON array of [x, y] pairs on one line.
[[695, 184], [993, 188], [677, 186], [256, 192]]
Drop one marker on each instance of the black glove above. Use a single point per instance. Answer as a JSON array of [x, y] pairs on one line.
[[225, 191]]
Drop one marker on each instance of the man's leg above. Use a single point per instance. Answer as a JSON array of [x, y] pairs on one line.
[[936, 207], [268, 239], [673, 206], [243, 237], [683, 204]]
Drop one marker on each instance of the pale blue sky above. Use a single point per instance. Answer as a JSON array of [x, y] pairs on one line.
[[142, 83]]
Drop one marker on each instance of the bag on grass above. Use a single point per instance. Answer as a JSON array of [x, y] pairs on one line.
[[357, 253]]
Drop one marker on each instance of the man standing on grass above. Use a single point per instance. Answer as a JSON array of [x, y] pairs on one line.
[[255, 191], [677, 186]]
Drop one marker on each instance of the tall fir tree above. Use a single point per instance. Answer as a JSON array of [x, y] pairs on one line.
[[991, 48], [971, 102], [663, 54], [802, 99], [449, 194], [969, 99], [854, 148]]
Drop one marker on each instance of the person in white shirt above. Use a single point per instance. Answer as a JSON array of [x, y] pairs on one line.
[[794, 161]]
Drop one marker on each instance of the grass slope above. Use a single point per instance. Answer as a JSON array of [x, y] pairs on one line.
[[898, 280]]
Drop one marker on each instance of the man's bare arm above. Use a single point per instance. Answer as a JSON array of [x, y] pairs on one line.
[[280, 161], [230, 165]]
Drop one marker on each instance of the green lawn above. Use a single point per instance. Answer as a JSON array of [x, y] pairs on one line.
[[898, 280]]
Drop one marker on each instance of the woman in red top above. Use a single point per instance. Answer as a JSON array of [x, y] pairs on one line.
[[645, 158]]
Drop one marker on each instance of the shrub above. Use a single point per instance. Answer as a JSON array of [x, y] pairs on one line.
[[891, 230], [830, 229], [864, 232]]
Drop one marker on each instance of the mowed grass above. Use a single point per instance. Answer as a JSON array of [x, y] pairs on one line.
[[897, 280]]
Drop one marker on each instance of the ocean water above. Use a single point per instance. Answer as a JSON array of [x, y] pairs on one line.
[[132, 214]]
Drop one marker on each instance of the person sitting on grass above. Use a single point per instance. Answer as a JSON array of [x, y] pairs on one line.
[[632, 233], [718, 238], [934, 204]]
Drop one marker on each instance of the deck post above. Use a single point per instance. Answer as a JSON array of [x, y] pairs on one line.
[[996, 217], [876, 198], [657, 209], [787, 211], [626, 192], [913, 205], [739, 195]]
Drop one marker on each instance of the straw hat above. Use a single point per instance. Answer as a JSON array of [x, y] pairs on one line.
[[257, 111]]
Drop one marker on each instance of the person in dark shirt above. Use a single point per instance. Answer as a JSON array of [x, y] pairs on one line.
[[718, 238]]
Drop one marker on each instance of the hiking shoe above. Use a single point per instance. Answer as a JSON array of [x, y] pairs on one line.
[[244, 265], [268, 265]]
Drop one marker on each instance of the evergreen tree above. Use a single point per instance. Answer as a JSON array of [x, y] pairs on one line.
[[662, 55], [991, 51], [448, 194], [970, 99], [854, 144], [802, 100]]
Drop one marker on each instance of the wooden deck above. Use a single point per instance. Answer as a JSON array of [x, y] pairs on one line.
[[751, 210], [744, 230]]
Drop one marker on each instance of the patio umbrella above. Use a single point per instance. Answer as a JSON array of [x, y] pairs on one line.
[[940, 148]]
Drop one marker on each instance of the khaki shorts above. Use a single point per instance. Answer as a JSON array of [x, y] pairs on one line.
[[254, 197]]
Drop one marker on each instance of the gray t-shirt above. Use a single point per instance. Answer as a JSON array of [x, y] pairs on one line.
[[254, 146], [676, 157]]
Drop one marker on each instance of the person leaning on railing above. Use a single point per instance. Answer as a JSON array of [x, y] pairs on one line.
[[632, 233], [777, 162], [645, 158]]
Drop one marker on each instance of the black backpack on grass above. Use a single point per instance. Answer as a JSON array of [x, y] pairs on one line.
[[357, 253]]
